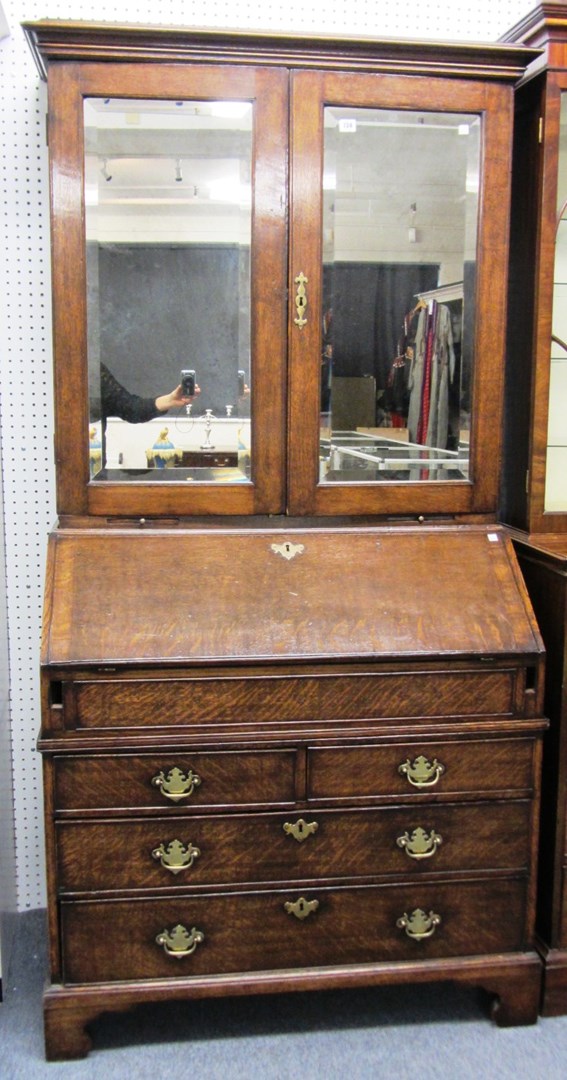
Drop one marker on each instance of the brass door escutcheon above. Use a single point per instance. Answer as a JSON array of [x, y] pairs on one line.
[[176, 785], [420, 845], [180, 942], [301, 908], [176, 856], [418, 925], [300, 300], [301, 830], [422, 773]]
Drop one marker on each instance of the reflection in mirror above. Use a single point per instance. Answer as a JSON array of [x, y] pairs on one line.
[[399, 232], [168, 231], [556, 468]]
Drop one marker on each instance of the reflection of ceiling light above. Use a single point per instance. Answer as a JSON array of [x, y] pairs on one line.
[[228, 191], [329, 181], [230, 110], [463, 129]]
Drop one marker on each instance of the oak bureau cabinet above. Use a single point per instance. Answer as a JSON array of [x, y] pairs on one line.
[[535, 486], [292, 694]]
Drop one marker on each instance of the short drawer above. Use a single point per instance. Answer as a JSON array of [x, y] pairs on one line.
[[421, 768], [176, 780], [271, 698], [241, 848], [187, 936]]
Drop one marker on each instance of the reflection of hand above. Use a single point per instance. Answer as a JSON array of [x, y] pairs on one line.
[[175, 399]]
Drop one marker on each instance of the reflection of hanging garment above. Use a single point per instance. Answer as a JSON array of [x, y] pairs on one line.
[[431, 373], [396, 397]]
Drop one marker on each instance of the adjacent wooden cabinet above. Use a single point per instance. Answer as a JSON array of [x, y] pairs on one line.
[[292, 705], [535, 487]]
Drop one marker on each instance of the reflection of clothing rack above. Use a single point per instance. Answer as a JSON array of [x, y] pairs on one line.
[[443, 294], [431, 374]]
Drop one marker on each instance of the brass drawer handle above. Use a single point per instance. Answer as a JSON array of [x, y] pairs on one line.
[[176, 785], [180, 942], [176, 856], [420, 845], [418, 925], [300, 300], [301, 908], [301, 830], [422, 773]]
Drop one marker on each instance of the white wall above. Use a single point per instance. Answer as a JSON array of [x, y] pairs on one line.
[[25, 348], [8, 899]]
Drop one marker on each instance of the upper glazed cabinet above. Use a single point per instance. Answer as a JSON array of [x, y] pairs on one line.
[[535, 488], [315, 232]]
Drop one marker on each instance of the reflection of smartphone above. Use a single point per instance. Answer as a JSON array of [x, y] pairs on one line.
[[188, 383], [241, 383]]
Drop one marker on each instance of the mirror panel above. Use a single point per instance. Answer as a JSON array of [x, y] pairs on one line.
[[556, 467], [168, 232], [400, 213]]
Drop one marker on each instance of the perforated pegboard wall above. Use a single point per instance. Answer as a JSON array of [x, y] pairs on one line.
[[25, 373]]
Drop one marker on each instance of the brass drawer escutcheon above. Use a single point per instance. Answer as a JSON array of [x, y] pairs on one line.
[[301, 908], [420, 845], [176, 856], [176, 785], [301, 830], [418, 925], [180, 942], [422, 773]]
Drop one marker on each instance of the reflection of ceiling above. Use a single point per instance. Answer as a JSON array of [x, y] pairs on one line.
[[159, 180], [403, 184], [398, 186], [166, 153]]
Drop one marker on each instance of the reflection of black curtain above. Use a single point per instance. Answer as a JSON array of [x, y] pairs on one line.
[[369, 302], [157, 308]]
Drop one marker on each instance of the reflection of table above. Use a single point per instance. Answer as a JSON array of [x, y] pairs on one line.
[[208, 459], [362, 455]]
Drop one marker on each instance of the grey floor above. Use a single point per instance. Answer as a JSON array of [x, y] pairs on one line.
[[388, 1034]]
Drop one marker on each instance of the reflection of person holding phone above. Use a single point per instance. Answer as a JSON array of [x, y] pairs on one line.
[[115, 400]]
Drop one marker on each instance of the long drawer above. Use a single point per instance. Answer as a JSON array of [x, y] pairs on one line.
[[240, 848], [186, 936], [269, 699], [266, 777]]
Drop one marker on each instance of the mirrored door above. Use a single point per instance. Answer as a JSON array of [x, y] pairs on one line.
[[386, 329], [170, 203]]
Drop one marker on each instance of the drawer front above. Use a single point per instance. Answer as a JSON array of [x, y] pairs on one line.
[[276, 698], [287, 929], [178, 780], [421, 769], [216, 850]]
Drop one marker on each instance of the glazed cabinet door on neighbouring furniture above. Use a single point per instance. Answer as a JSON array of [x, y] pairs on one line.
[[291, 727], [534, 499], [535, 463]]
